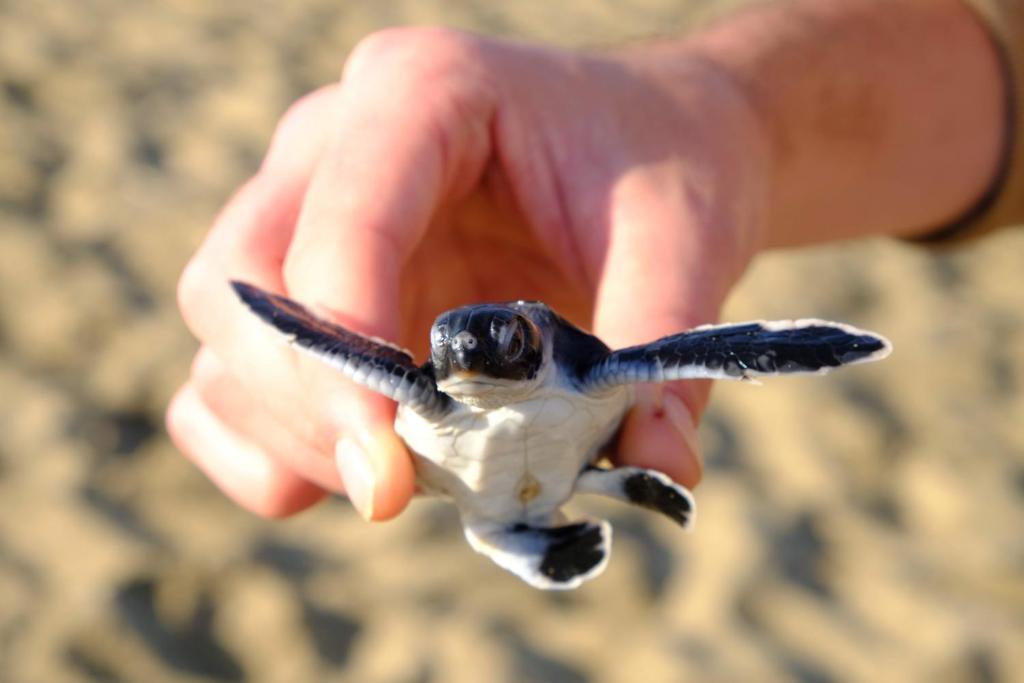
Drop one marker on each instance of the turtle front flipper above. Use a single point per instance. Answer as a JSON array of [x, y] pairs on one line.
[[647, 488], [373, 363], [549, 558], [738, 351]]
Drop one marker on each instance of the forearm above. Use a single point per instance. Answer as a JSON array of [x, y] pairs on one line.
[[880, 116]]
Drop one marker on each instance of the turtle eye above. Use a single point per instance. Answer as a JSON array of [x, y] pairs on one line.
[[502, 331], [513, 341]]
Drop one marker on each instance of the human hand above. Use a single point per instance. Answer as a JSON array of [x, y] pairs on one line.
[[444, 169]]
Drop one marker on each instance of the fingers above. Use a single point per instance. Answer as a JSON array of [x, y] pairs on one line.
[[658, 281], [251, 456], [285, 405], [409, 136], [660, 433], [249, 241], [377, 471], [241, 469], [367, 192], [233, 404], [387, 170]]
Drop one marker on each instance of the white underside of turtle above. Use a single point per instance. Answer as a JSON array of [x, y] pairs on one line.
[[516, 406], [516, 464]]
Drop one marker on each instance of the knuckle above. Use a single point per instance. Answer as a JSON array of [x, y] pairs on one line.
[[284, 498], [413, 50], [173, 419], [205, 367], [191, 292], [274, 504], [296, 270], [299, 109], [377, 46], [302, 113]]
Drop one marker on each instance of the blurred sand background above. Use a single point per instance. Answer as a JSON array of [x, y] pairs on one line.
[[866, 527]]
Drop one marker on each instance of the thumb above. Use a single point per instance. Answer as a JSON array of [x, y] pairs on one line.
[[385, 171], [658, 279]]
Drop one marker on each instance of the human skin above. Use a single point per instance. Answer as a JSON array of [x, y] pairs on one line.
[[627, 189]]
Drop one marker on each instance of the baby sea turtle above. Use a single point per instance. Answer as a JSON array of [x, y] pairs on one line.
[[509, 416]]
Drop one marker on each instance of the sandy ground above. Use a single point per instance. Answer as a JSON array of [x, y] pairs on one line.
[[866, 527]]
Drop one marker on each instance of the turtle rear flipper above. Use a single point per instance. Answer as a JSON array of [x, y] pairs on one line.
[[550, 558], [373, 363], [647, 488]]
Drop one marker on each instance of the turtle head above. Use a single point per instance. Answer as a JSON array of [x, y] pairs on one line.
[[487, 354]]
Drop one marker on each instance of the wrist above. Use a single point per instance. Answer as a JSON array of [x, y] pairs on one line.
[[877, 116]]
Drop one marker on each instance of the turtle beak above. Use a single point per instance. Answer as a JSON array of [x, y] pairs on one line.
[[463, 362]]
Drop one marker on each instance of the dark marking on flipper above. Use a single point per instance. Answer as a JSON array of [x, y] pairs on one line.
[[375, 364], [649, 489], [575, 550], [646, 491], [738, 351], [552, 558]]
